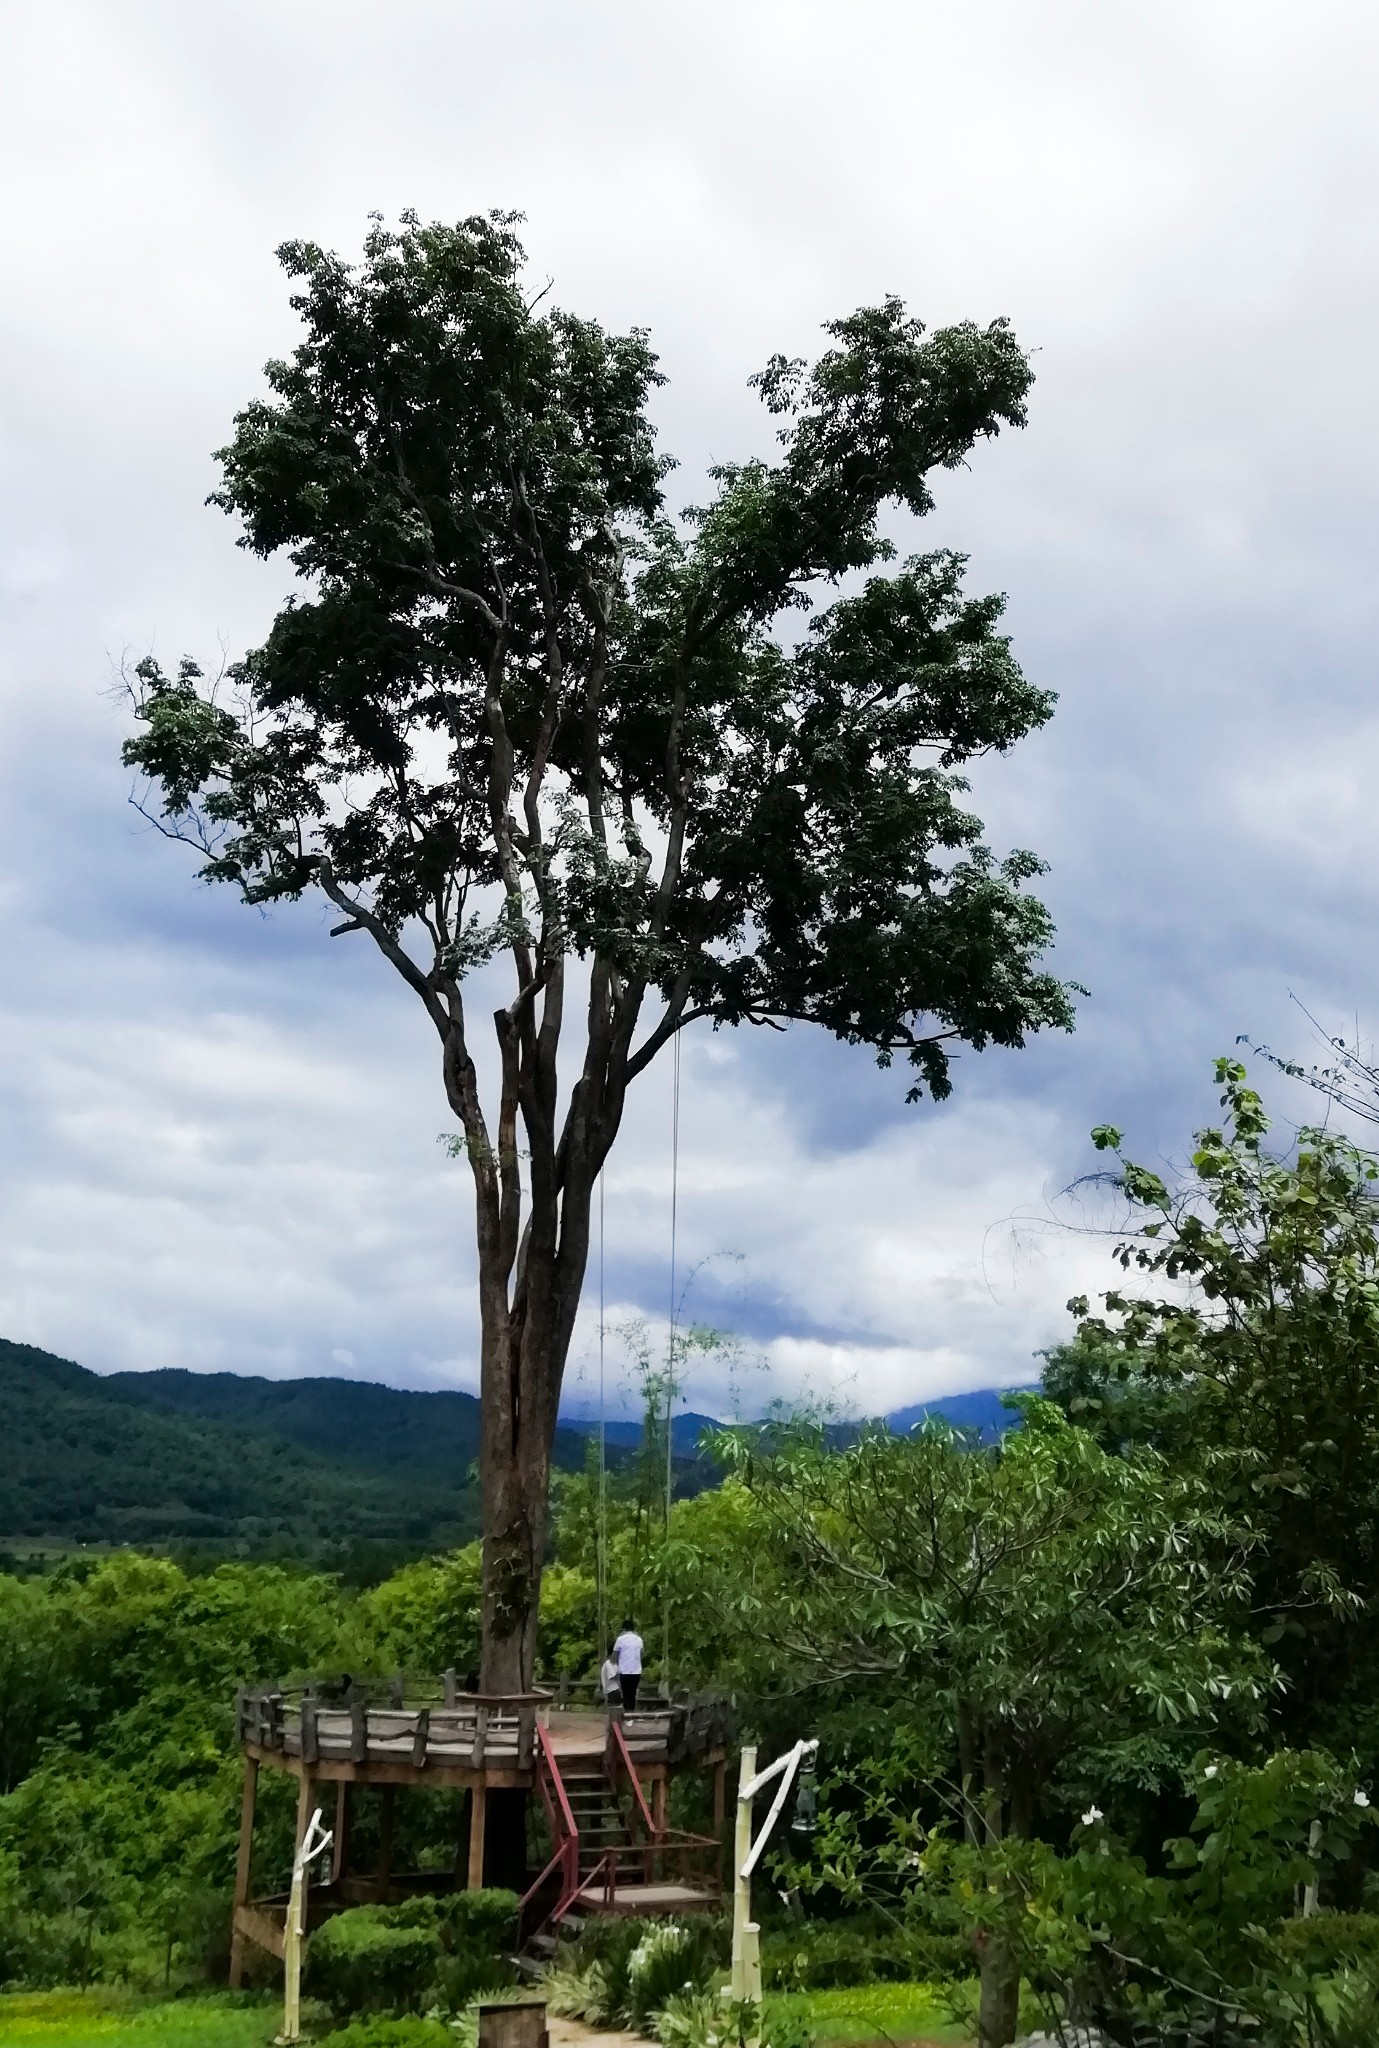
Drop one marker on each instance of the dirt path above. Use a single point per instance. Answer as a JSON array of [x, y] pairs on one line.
[[575, 2034]]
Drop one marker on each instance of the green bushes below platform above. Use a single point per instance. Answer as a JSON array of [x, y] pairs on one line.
[[406, 1958]]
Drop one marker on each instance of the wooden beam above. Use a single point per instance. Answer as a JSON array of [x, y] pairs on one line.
[[243, 1862], [336, 1770], [477, 1817], [340, 1848], [385, 1841], [252, 1925]]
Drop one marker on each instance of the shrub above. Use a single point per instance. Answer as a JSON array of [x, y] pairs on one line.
[[698, 2019], [390, 2032], [624, 1970], [577, 1993], [668, 1961], [485, 1920], [1328, 1941], [833, 1955], [364, 1961]]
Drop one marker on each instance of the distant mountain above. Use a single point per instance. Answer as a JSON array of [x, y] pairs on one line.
[[980, 1411], [320, 1468], [685, 1432]]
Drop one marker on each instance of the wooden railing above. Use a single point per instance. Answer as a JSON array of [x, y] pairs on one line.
[[497, 1732], [420, 1722]]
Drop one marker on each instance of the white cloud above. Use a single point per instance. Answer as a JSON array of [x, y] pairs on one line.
[[217, 1132]]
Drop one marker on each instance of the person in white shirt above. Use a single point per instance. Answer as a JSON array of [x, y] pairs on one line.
[[608, 1681], [627, 1655]]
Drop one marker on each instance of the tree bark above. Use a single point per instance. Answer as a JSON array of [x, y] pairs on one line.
[[998, 2010]]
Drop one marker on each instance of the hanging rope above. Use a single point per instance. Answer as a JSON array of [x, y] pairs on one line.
[[670, 1354], [601, 1547]]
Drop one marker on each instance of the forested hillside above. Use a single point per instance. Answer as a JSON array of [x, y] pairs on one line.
[[394, 1430], [254, 1467]]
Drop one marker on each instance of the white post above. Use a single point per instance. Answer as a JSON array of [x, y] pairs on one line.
[[746, 1975], [742, 1879], [307, 1851]]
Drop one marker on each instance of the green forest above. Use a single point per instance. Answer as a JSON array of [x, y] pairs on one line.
[[334, 1470], [1101, 1693]]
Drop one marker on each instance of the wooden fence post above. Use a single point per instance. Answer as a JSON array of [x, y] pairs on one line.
[[243, 1862], [477, 1818]]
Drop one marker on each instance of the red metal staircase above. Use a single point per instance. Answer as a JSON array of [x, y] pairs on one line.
[[608, 1854]]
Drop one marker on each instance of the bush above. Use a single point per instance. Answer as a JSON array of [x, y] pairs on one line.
[[1329, 1941], [833, 1955], [394, 1958], [697, 2019], [363, 1961], [667, 1962], [624, 1970], [485, 1920], [393, 2032]]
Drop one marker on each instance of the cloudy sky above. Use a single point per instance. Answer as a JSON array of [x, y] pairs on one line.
[[218, 1130]]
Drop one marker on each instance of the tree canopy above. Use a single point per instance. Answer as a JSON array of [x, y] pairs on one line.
[[516, 708]]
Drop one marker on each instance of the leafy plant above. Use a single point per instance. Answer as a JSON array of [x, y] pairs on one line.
[[670, 1960], [391, 2031], [363, 1961]]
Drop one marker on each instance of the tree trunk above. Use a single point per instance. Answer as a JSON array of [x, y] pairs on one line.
[[998, 2012], [524, 1350]]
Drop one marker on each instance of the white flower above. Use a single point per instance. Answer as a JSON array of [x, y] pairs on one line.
[[1092, 1816], [1362, 1798], [1211, 1770]]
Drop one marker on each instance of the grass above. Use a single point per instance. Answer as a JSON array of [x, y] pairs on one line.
[[106, 2019], [876, 2012], [902, 2013]]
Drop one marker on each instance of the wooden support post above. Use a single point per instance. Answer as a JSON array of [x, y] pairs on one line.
[[242, 1868], [720, 1788], [477, 1816], [339, 1856], [385, 1841], [658, 1804]]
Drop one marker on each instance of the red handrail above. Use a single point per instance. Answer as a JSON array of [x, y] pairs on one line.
[[564, 1830], [621, 1754]]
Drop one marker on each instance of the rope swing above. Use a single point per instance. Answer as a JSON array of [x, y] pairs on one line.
[[601, 1538], [670, 1352], [601, 1543]]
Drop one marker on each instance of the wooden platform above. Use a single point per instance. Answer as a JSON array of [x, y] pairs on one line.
[[427, 1735], [650, 1899]]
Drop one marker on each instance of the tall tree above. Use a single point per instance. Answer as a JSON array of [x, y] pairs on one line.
[[1040, 1602], [517, 710], [1259, 1362]]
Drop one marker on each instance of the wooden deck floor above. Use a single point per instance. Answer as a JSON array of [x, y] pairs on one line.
[[649, 1898]]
